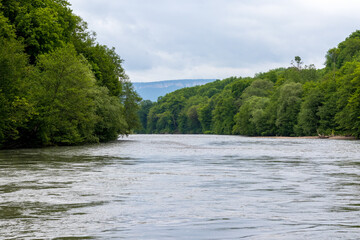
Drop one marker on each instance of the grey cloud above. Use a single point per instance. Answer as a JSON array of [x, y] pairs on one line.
[[180, 35]]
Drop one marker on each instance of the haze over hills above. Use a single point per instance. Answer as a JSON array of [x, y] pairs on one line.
[[153, 90]]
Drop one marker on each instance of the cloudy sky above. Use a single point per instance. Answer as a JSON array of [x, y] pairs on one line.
[[187, 39]]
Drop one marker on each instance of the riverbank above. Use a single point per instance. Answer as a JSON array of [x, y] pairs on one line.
[[311, 137]]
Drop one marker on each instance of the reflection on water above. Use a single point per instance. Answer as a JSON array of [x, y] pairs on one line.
[[183, 187]]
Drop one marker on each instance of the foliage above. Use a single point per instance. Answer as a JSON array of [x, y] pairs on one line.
[[294, 101], [251, 118], [64, 92], [348, 103], [143, 112], [288, 107], [106, 65], [130, 101], [15, 109], [42, 24], [346, 51], [308, 118], [109, 115], [223, 113], [58, 86]]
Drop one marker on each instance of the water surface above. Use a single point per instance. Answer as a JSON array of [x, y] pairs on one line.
[[183, 187]]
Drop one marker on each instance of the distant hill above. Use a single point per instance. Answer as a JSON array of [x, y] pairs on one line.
[[153, 90]]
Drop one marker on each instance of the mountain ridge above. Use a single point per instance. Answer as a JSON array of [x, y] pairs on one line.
[[153, 90]]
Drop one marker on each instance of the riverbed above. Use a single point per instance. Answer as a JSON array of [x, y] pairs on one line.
[[183, 187]]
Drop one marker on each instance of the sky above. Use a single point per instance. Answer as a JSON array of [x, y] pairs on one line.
[[215, 39]]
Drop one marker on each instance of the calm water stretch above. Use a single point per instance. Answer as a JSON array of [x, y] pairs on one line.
[[183, 187]]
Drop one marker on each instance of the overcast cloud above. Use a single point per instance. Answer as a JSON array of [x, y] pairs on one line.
[[180, 39]]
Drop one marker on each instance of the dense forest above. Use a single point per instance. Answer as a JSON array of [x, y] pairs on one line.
[[58, 85], [294, 101]]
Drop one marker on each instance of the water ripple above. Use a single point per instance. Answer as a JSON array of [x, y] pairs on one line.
[[183, 187]]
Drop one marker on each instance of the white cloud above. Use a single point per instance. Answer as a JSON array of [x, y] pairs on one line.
[[172, 39], [198, 72]]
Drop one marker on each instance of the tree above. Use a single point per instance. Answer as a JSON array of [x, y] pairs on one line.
[[288, 108], [48, 92], [348, 103], [164, 123], [15, 108], [346, 51], [193, 119], [328, 109], [143, 113], [223, 114], [110, 120], [130, 100], [152, 119], [205, 116], [299, 100], [64, 93], [174, 105], [259, 87], [43, 24], [106, 65], [298, 62], [7, 31], [251, 118], [308, 119]]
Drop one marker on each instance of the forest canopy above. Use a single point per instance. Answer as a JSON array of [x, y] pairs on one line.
[[58, 85], [294, 101]]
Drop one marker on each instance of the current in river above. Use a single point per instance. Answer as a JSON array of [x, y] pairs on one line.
[[183, 187]]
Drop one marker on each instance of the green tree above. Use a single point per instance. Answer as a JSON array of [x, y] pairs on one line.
[[48, 91], [288, 108], [143, 113], [64, 95], [110, 120], [348, 103], [298, 100], [174, 105], [272, 75], [251, 118], [6, 29], [328, 109], [43, 24], [346, 51], [193, 119], [298, 63], [130, 100], [165, 122], [106, 65], [152, 119], [259, 87], [237, 87], [15, 108], [223, 114], [205, 116], [308, 119]]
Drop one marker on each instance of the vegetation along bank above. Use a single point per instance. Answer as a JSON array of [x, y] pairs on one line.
[[299, 100], [58, 86]]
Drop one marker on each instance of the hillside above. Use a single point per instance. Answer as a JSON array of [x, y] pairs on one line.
[[298, 100], [153, 90]]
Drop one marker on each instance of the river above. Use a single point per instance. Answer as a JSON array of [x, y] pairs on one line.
[[183, 187]]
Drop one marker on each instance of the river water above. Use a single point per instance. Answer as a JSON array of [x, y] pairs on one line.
[[183, 187]]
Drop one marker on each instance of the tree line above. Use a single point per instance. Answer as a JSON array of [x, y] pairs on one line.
[[299, 100], [58, 85]]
